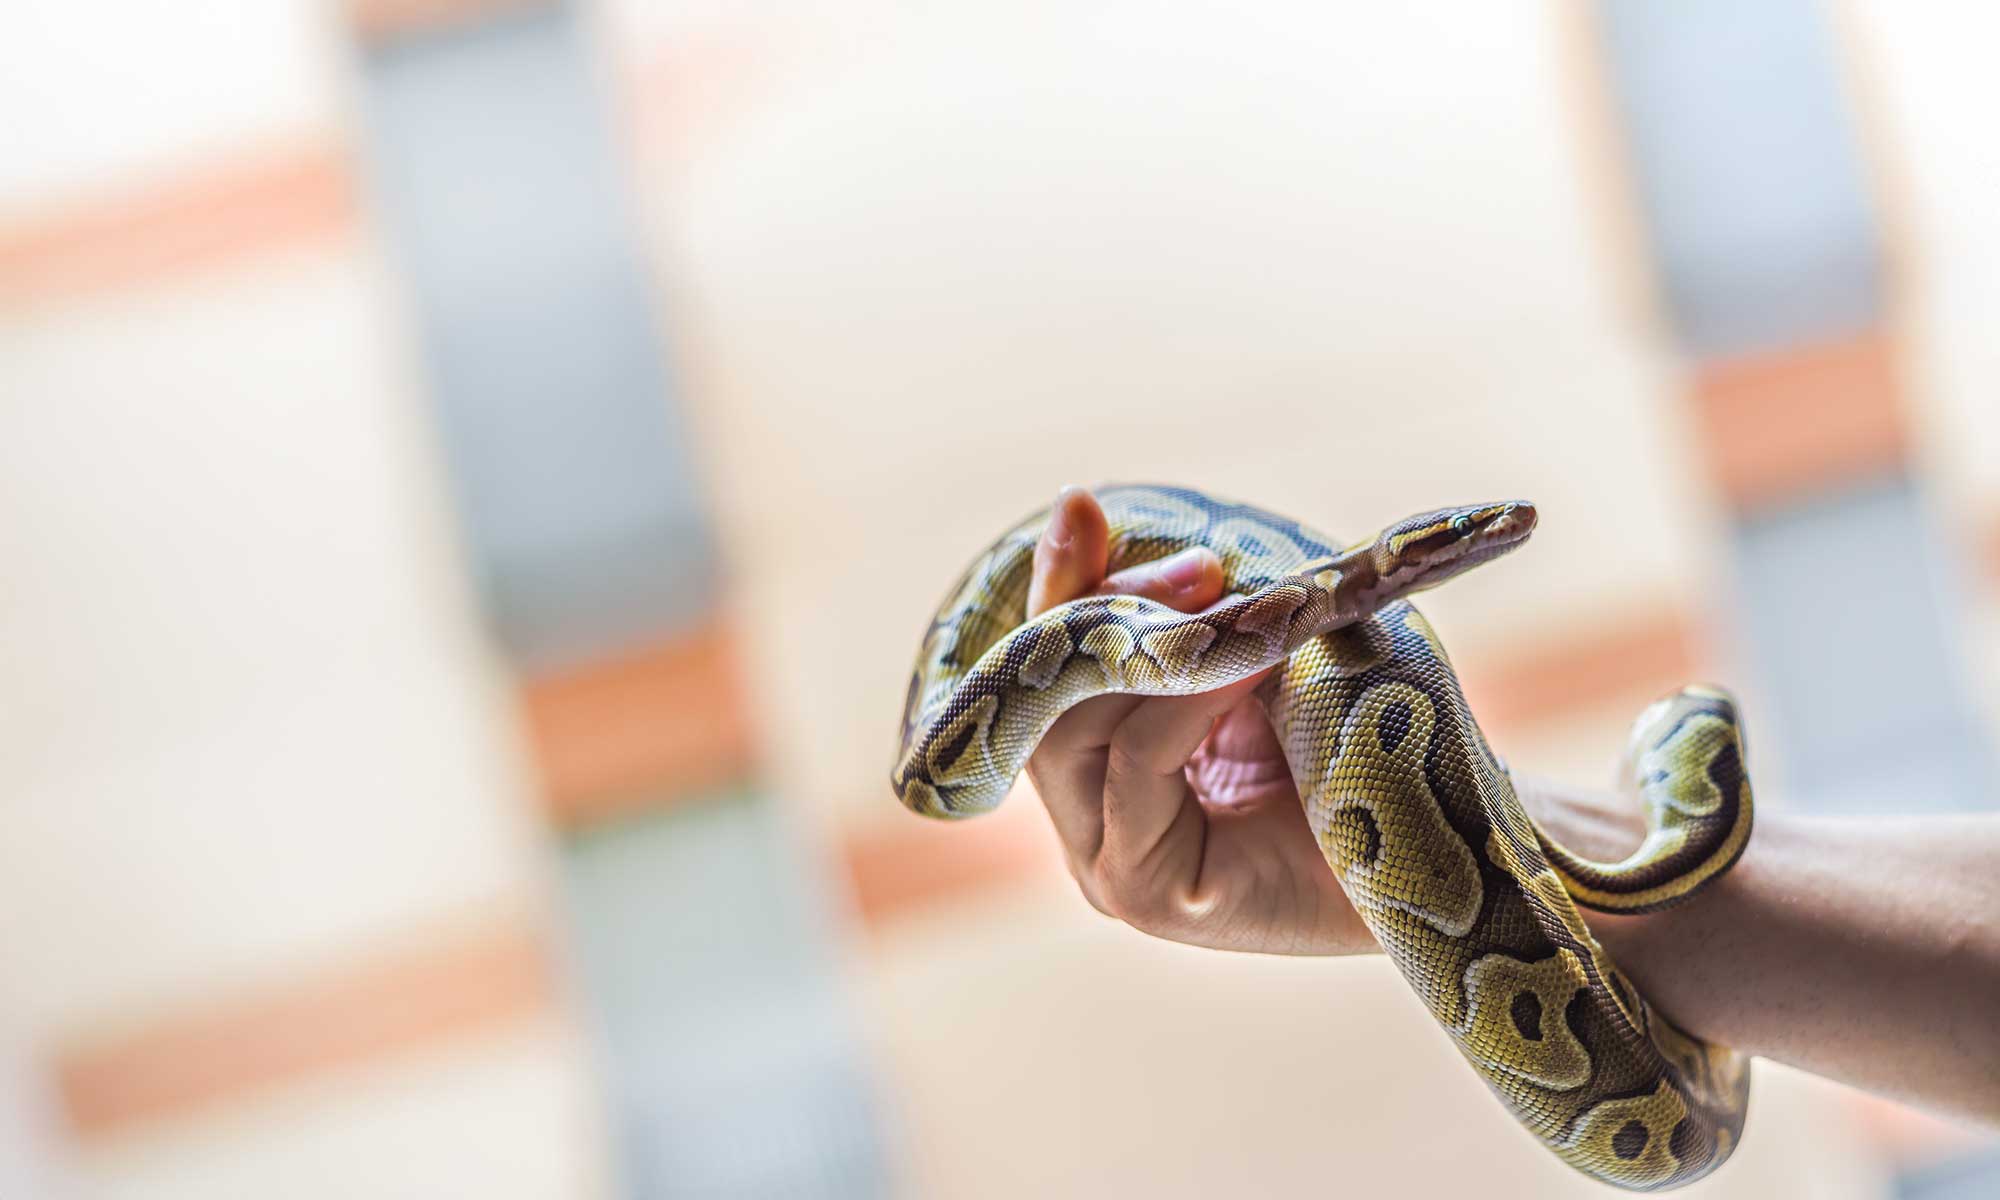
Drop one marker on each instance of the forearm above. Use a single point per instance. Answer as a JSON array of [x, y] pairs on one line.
[[1867, 951]]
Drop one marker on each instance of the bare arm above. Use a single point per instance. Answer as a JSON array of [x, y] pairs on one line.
[[1867, 951]]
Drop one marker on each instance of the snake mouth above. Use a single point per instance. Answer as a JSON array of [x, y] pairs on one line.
[[1494, 535], [1511, 526]]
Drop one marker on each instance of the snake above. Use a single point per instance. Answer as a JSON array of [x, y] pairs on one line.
[[1419, 820]]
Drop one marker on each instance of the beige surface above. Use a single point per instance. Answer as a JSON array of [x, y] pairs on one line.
[[1037, 1049]]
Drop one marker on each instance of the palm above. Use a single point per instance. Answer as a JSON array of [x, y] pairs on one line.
[[1261, 866], [1227, 861]]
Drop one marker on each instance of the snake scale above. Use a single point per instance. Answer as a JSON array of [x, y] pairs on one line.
[[1416, 816]]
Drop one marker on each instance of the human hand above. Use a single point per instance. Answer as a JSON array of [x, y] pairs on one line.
[[1178, 814]]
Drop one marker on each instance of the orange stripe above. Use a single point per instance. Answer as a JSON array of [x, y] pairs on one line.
[[647, 727], [366, 1013], [1645, 652], [1778, 426], [1993, 550], [380, 21], [303, 192], [915, 865]]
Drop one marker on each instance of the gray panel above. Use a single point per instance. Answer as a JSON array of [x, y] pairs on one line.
[[497, 181], [1845, 611], [1973, 1175], [733, 1062], [1747, 169]]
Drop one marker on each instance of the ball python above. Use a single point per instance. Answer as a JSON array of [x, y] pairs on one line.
[[1415, 814]]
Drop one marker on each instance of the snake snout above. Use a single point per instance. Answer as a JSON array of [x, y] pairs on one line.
[[1516, 521]]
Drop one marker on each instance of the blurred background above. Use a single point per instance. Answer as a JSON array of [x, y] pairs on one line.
[[473, 473]]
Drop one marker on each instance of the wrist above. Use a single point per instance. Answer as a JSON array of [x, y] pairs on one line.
[[1670, 954]]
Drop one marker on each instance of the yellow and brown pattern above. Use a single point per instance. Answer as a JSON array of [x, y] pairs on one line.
[[1416, 816]]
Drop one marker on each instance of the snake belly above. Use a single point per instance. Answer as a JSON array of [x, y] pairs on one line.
[[1416, 816]]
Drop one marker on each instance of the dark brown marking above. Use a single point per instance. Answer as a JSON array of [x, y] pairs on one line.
[[1393, 726], [1630, 1140], [1685, 1143], [1527, 1013], [1355, 827], [947, 755]]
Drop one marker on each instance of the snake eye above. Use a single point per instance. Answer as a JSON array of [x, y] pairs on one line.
[[1462, 525]]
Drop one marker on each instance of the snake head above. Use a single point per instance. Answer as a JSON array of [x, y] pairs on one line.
[[1425, 550]]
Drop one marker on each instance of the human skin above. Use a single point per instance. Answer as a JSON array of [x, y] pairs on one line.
[[1864, 950]]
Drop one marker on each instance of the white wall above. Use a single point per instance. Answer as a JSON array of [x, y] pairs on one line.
[[1928, 92], [250, 721], [103, 90]]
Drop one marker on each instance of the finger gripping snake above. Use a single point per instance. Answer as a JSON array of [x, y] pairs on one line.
[[1417, 817]]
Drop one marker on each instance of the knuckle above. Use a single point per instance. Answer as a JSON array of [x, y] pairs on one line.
[[1128, 757], [1087, 884], [1132, 899], [1112, 896]]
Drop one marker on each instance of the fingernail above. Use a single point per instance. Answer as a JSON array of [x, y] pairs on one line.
[[1183, 572], [1059, 535]]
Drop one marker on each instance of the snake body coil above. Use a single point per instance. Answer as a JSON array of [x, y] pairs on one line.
[[1416, 816]]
